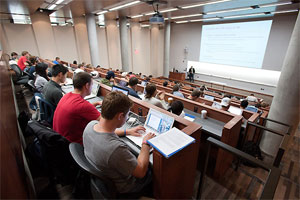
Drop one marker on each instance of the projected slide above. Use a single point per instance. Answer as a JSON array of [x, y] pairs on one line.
[[237, 44]]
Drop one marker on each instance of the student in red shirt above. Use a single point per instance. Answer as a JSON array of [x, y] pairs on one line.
[[73, 113], [22, 62]]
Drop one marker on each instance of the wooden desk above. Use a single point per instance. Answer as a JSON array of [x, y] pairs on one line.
[[173, 177], [177, 76]]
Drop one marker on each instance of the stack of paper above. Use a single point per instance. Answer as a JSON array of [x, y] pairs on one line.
[[189, 117], [171, 142]]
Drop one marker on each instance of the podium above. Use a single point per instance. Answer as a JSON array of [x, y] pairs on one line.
[[177, 76]]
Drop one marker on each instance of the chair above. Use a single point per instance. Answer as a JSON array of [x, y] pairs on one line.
[[20, 79], [32, 86], [101, 187], [46, 110], [272, 178]]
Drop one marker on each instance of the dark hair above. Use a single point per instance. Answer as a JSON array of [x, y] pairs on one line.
[[40, 69], [175, 88], [24, 53], [133, 81], [165, 83], [57, 58], [196, 93], [56, 69], [150, 90], [80, 79], [32, 60], [176, 107], [147, 79], [150, 76], [75, 62], [13, 54], [244, 104], [227, 95], [114, 103], [80, 65]]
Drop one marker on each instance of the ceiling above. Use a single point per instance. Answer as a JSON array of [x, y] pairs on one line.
[[78, 8]]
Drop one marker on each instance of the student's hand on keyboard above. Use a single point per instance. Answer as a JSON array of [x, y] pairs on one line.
[[136, 131], [98, 103], [148, 137]]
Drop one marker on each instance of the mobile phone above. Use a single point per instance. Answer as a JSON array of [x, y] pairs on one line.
[[195, 109], [140, 111]]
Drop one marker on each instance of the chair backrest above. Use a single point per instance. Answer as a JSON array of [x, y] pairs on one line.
[[32, 86], [17, 69], [46, 110], [77, 153]]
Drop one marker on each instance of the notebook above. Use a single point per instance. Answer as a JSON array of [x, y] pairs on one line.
[[156, 122], [209, 97], [235, 110], [171, 142], [95, 89], [120, 89]]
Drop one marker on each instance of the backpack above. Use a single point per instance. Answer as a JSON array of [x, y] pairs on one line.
[[252, 149]]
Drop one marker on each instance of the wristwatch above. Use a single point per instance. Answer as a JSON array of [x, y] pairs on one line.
[[145, 142]]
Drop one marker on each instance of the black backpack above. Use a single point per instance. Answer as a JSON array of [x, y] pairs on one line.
[[252, 149]]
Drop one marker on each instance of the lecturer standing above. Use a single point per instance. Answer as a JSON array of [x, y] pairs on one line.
[[191, 74]]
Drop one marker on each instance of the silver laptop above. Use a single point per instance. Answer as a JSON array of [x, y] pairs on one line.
[[156, 122], [95, 89], [208, 97], [235, 110], [120, 89]]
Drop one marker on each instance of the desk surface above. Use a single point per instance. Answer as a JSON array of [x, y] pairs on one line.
[[209, 125]]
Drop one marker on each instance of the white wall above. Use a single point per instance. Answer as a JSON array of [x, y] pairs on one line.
[[103, 49], [114, 46]]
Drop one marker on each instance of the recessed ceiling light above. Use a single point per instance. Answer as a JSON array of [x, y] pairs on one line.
[[181, 22], [102, 12], [59, 1], [250, 15], [124, 5], [52, 7], [185, 16], [231, 10], [275, 4], [202, 4], [284, 11], [151, 13], [168, 10], [136, 16]]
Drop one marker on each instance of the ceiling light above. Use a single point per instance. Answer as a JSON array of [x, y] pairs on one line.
[[208, 19], [168, 10], [102, 12], [52, 7], [231, 10], [59, 1], [250, 15], [284, 11], [124, 5], [136, 16], [151, 13], [202, 4], [184, 16], [181, 22], [145, 25], [275, 4]]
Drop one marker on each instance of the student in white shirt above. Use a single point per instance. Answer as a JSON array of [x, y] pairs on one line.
[[150, 96], [252, 98]]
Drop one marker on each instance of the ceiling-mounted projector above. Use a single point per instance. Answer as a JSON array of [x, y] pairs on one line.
[[157, 18]]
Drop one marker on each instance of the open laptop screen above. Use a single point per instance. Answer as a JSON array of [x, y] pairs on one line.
[[235, 110], [209, 97], [95, 88], [143, 83], [251, 108], [159, 121], [120, 89]]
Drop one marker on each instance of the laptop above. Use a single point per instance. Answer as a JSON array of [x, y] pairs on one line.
[[216, 105], [235, 110], [144, 83], [156, 122], [252, 109], [95, 89], [120, 89], [208, 97]]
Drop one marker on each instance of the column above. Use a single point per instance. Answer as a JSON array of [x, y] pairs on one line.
[[124, 43], [93, 40], [167, 49], [285, 104]]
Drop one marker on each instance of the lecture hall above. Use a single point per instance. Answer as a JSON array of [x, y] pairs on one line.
[[150, 99]]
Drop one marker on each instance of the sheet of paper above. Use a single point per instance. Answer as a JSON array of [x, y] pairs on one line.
[[171, 141], [189, 118]]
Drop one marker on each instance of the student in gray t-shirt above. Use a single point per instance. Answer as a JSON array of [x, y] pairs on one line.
[[104, 149]]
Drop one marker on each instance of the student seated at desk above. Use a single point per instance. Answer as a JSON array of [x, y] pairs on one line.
[[52, 90], [177, 108], [107, 152], [133, 81], [244, 104], [165, 84], [225, 103], [22, 62], [79, 69], [176, 92], [110, 75], [158, 100], [41, 78], [195, 95], [56, 61], [252, 99]]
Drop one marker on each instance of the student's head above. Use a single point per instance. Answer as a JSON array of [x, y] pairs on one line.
[[251, 94], [57, 59], [82, 81], [32, 60], [176, 107], [148, 79], [176, 88], [133, 82], [98, 66], [75, 62], [25, 53], [115, 106], [225, 102], [227, 95], [14, 55], [81, 66], [244, 104], [59, 72], [165, 84], [109, 75], [150, 90], [196, 94], [41, 69], [150, 76]]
